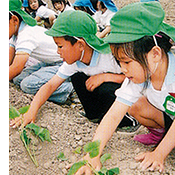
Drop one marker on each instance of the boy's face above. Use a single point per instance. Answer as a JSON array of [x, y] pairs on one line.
[[70, 53], [59, 6], [34, 4], [131, 68]]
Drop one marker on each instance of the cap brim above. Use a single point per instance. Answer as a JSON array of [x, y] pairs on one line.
[[26, 17]]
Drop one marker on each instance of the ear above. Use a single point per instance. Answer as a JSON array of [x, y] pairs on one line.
[[155, 54], [15, 20], [81, 44]]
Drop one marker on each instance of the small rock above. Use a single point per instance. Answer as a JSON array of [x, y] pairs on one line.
[[78, 137], [133, 165], [137, 150], [47, 164]]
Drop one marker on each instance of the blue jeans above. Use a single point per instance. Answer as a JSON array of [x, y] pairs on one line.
[[32, 78]]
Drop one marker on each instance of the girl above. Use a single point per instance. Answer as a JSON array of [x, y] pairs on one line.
[[106, 10], [41, 12], [149, 67], [60, 6], [86, 58], [29, 41]]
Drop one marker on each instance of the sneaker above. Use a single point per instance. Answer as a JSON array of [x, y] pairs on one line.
[[129, 125], [153, 138]]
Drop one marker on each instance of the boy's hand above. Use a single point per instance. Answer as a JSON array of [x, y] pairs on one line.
[[95, 162], [22, 120], [94, 82], [151, 161]]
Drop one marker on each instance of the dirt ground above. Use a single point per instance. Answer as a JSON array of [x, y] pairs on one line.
[[69, 130]]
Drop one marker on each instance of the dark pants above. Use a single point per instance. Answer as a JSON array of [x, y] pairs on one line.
[[95, 103]]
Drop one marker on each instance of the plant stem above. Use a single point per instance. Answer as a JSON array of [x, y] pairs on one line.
[[28, 150], [91, 167]]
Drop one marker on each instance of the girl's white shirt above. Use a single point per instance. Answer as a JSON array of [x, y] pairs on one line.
[[130, 92]]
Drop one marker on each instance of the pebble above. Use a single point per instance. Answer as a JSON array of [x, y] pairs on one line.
[[133, 165], [78, 137], [47, 164]]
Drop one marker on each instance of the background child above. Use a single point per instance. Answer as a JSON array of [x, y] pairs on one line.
[[29, 40], [106, 10], [82, 52], [84, 5], [41, 12], [60, 6], [149, 67]]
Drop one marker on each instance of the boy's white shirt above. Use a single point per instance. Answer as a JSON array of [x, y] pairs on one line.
[[44, 12], [36, 43], [100, 63], [103, 20], [130, 92]]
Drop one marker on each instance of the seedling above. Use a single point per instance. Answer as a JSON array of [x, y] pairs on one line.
[[41, 133], [93, 149]]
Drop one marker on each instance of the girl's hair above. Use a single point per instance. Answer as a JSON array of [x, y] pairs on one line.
[[102, 5], [16, 14], [94, 4], [138, 49], [40, 2], [65, 2], [85, 9]]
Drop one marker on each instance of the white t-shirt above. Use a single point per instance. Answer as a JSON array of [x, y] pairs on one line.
[[36, 43], [130, 92], [44, 12], [103, 20], [100, 63]]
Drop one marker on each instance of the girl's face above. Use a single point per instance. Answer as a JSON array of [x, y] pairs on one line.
[[131, 68], [34, 5], [59, 6], [70, 53]]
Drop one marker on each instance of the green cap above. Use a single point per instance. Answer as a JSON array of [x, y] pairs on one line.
[[15, 5], [78, 24], [137, 20]]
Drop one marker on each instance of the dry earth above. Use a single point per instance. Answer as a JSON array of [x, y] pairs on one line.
[[69, 130]]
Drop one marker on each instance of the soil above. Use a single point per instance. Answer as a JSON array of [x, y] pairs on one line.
[[69, 129]]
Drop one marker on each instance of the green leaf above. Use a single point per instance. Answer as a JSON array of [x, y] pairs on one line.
[[103, 170], [25, 138], [42, 133], [61, 156], [105, 157], [77, 150], [92, 148], [13, 112], [24, 109], [76, 166], [113, 171]]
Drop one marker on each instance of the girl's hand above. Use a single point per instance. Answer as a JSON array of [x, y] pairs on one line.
[[22, 120], [151, 161], [94, 82], [95, 162]]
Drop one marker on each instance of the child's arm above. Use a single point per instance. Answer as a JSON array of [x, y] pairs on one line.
[[104, 132], [38, 19], [17, 65], [96, 80], [11, 54], [104, 32], [39, 99], [155, 159]]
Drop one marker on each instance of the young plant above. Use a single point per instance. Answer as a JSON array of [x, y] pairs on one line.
[[42, 133], [93, 149]]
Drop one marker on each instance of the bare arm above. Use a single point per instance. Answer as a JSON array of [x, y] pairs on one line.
[[96, 80], [39, 99], [104, 32], [11, 54], [104, 132], [18, 65]]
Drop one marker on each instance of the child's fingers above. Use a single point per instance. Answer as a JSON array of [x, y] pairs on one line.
[[140, 156], [15, 122]]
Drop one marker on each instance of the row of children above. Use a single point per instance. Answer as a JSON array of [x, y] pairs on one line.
[[139, 41]]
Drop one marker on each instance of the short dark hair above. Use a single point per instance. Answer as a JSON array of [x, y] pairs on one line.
[[16, 14], [71, 39]]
